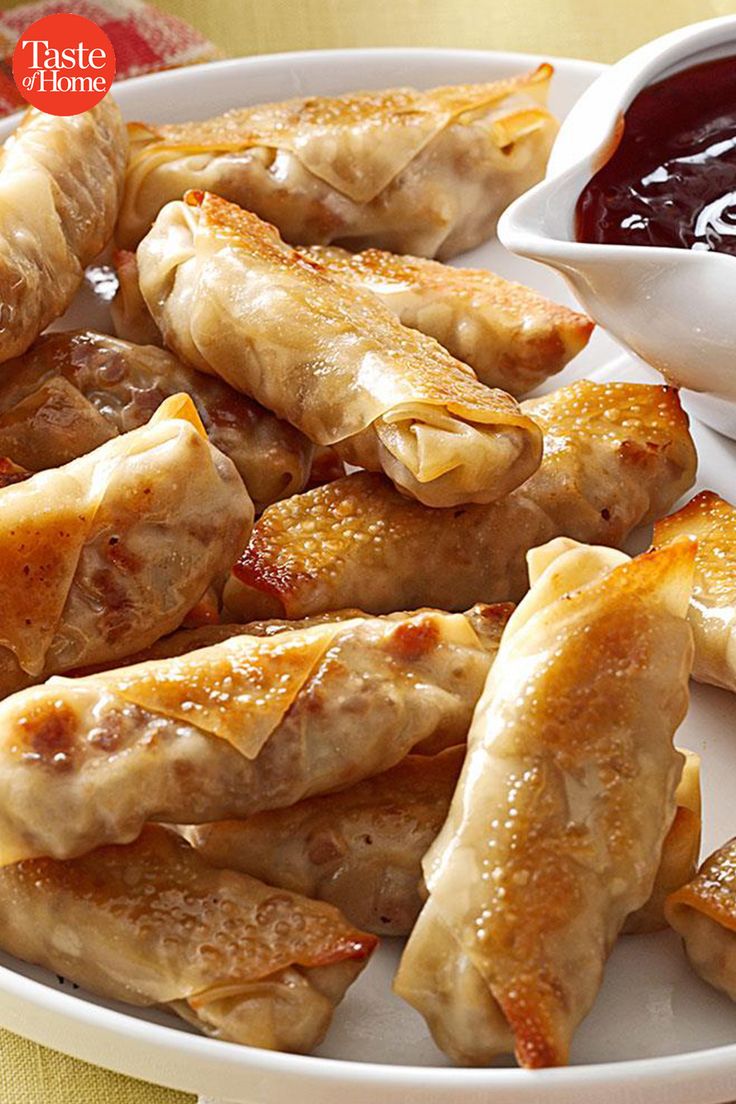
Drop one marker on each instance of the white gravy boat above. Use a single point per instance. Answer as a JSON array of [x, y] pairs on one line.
[[674, 308]]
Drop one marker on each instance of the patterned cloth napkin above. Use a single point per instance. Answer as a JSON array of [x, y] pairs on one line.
[[145, 39]]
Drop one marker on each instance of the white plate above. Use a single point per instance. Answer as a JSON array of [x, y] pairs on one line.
[[656, 1033]]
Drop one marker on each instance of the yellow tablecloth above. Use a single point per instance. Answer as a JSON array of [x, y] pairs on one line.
[[572, 28], [30, 1074]]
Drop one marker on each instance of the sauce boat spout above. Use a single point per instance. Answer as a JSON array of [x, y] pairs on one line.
[[673, 307]]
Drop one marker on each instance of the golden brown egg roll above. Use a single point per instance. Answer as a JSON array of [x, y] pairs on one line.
[[250, 723], [556, 828], [512, 337], [703, 912], [230, 298], [488, 622], [414, 172], [712, 521], [361, 849], [109, 552], [151, 924], [616, 456], [74, 390], [61, 183]]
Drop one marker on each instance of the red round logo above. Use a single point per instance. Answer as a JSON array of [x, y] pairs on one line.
[[63, 64]]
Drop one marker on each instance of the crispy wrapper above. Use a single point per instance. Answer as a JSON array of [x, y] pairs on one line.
[[512, 337], [109, 552], [616, 456], [703, 912], [361, 849], [151, 924], [74, 390], [61, 183], [712, 522], [414, 172], [252, 722], [230, 298], [556, 828]]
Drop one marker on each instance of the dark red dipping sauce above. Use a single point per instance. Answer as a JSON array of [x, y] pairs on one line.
[[672, 179]]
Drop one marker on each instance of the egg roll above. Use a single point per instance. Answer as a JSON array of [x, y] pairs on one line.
[[616, 455], [152, 924], [409, 171], [231, 299], [487, 621], [74, 390], [555, 831], [712, 521], [703, 912], [250, 723], [61, 183], [512, 337], [361, 849], [108, 553]]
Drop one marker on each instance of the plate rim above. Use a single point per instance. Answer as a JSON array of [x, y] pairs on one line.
[[255, 61]]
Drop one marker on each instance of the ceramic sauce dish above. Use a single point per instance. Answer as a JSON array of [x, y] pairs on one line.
[[673, 307]]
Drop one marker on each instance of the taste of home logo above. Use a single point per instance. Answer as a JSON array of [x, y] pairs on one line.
[[63, 64], [50, 68]]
